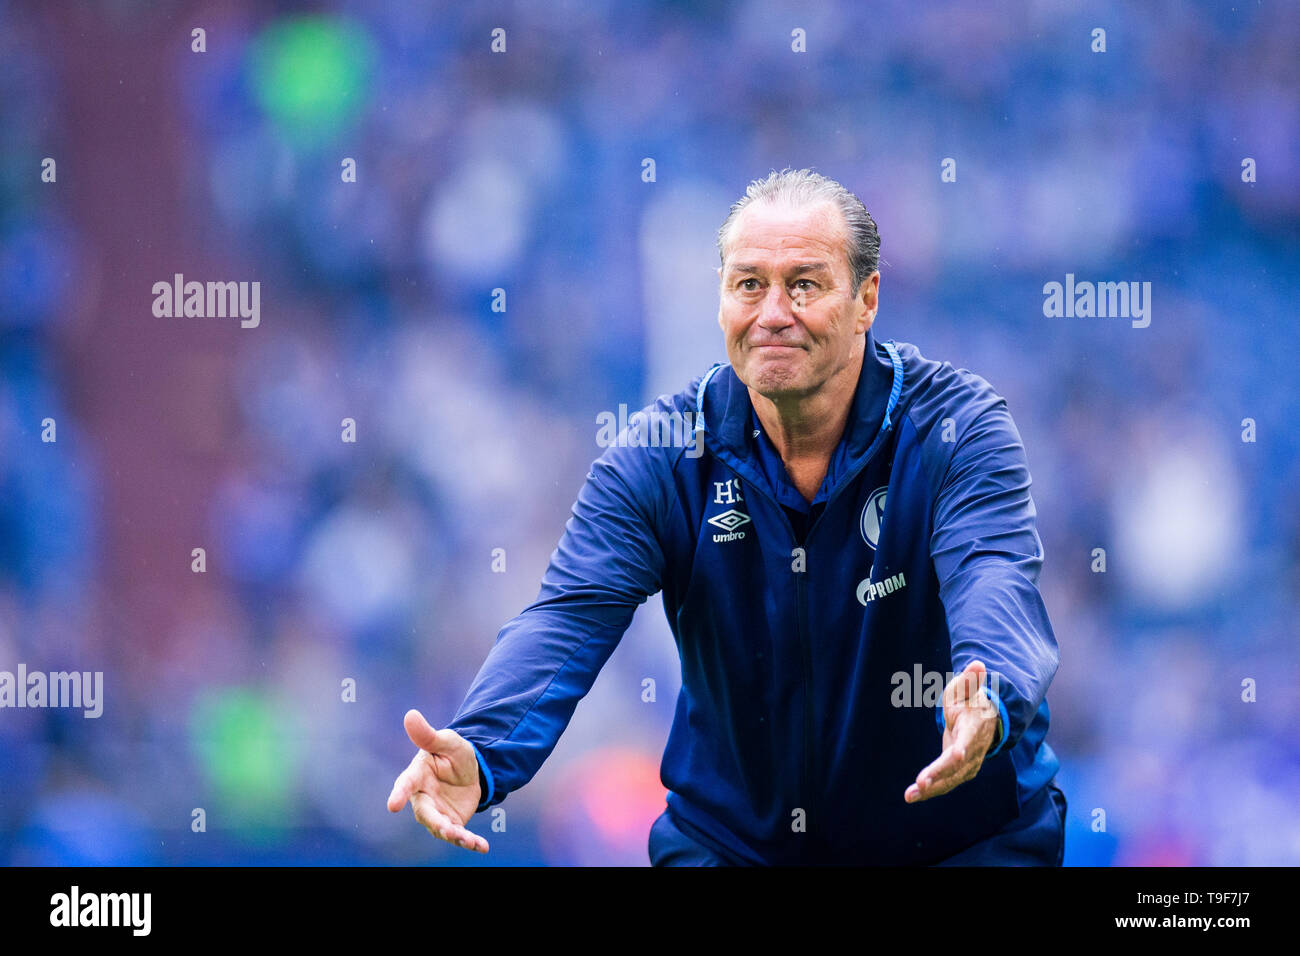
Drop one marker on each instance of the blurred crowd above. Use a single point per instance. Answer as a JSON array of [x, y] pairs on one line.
[[506, 266]]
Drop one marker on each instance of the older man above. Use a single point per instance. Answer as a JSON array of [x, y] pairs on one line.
[[850, 573]]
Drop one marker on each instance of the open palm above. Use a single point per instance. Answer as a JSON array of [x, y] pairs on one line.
[[441, 783]]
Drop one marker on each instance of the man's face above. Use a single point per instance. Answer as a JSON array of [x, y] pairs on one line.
[[788, 313]]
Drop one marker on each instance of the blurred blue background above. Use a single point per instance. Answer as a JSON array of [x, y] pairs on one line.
[[523, 171]]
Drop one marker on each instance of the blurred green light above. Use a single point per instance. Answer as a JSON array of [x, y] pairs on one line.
[[311, 74], [248, 755]]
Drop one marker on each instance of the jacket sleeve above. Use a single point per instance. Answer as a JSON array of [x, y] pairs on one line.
[[987, 556], [608, 561]]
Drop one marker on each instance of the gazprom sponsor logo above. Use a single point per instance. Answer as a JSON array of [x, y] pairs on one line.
[[869, 590]]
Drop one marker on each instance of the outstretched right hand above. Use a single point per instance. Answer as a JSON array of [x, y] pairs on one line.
[[441, 783]]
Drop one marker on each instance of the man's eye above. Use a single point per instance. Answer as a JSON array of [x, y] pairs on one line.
[[809, 281], [744, 284]]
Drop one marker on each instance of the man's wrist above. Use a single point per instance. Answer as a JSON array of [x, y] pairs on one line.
[[1000, 734], [486, 785]]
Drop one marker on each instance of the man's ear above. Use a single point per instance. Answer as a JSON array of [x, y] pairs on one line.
[[868, 301], [720, 325]]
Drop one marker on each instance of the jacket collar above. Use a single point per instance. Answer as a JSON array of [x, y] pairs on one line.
[[725, 408]]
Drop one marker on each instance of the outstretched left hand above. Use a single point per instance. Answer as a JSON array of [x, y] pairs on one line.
[[971, 724]]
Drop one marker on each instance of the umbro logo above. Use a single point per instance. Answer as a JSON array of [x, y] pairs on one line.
[[729, 521]]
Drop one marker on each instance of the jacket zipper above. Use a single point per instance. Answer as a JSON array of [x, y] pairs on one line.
[[812, 811], [811, 797], [844, 483], [808, 795]]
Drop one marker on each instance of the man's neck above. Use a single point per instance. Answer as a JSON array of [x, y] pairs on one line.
[[805, 429]]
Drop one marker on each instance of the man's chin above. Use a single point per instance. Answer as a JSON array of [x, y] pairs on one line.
[[775, 382]]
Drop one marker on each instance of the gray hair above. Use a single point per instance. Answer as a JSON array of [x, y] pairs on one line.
[[803, 187]]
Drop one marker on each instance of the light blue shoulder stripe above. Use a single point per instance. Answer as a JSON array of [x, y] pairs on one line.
[[699, 396], [897, 389]]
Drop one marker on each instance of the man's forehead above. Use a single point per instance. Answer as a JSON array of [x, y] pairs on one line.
[[810, 234]]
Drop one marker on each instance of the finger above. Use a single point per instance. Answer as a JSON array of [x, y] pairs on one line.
[[965, 685], [941, 766], [409, 780], [964, 734], [958, 763], [939, 773], [428, 739], [915, 793], [429, 816], [932, 782], [973, 723], [442, 826], [403, 787], [472, 841], [397, 798], [965, 744], [418, 729]]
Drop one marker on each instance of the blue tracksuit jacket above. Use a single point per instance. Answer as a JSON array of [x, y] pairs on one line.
[[814, 638]]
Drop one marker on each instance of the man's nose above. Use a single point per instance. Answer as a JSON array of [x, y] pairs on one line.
[[777, 308]]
